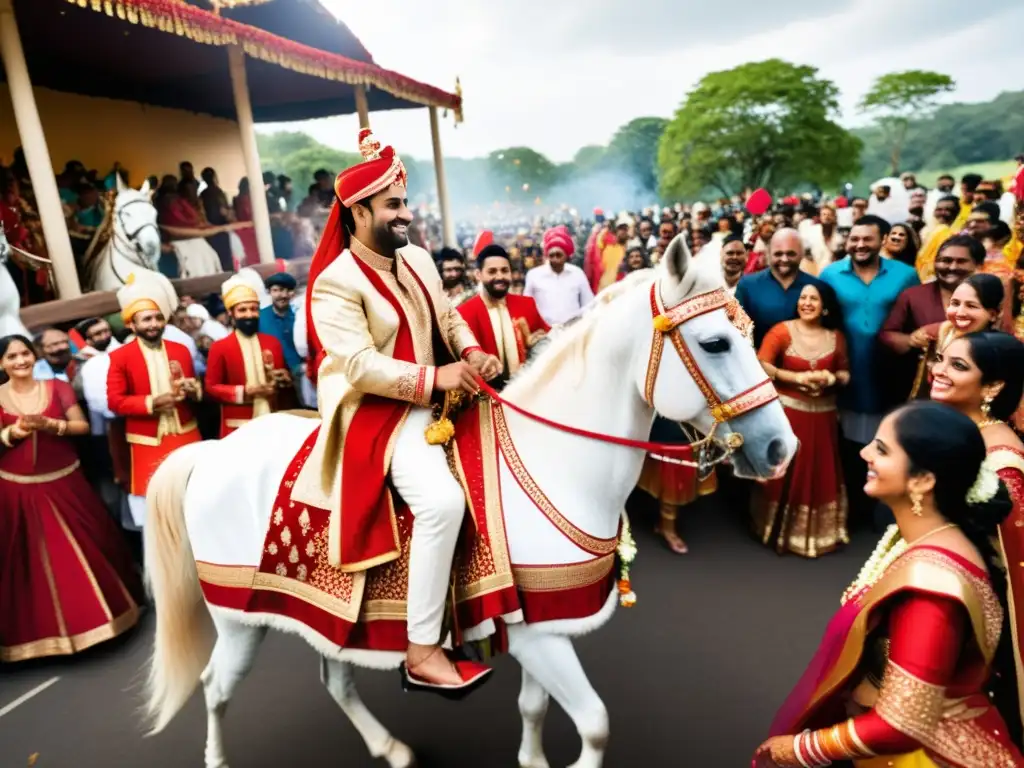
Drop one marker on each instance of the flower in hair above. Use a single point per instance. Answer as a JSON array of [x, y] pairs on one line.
[[985, 487]]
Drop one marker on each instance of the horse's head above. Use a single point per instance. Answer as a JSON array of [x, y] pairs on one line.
[[135, 225], [702, 368]]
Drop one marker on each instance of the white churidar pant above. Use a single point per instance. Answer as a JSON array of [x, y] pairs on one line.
[[420, 474]]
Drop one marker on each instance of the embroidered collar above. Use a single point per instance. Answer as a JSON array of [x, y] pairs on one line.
[[372, 258]]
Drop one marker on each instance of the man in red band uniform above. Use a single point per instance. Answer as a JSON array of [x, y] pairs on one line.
[[506, 326], [385, 340], [243, 369], [149, 383]]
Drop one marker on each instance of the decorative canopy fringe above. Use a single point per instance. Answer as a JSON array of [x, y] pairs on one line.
[[199, 26]]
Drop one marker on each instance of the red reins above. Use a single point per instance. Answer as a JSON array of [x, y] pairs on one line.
[[626, 442]]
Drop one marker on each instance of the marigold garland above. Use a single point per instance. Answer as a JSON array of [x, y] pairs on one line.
[[204, 27]]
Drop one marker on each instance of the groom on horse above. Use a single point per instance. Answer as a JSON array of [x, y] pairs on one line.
[[384, 340]]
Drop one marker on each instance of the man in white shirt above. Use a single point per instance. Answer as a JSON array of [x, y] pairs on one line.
[[561, 290]]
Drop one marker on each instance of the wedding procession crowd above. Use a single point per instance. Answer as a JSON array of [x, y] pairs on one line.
[[891, 327]]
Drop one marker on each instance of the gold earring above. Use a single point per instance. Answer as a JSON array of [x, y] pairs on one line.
[[986, 405], [915, 504]]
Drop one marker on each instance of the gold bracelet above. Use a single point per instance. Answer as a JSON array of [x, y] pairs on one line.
[[5, 436], [62, 427]]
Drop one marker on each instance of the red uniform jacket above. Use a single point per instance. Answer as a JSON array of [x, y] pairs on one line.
[[129, 394], [225, 378], [474, 312]]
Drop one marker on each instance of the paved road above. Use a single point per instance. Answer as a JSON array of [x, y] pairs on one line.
[[691, 676]]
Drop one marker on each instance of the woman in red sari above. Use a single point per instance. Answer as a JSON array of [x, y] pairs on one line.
[[982, 376], [900, 678], [805, 511], [68, 581]]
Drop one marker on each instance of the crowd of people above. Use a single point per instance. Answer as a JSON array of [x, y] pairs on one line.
[[891, 327]]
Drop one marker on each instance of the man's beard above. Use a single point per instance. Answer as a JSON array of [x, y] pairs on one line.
[[497, 289], [386, 237], [451, 282], [102, 344], [61, 360], [151, 336], [247, 326]]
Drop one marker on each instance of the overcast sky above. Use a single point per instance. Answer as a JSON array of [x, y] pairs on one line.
[[556, 75]]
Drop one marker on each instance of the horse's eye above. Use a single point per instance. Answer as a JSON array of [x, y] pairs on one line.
[[715, 346]]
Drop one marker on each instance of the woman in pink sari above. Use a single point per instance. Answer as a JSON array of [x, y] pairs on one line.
[[901, 677]]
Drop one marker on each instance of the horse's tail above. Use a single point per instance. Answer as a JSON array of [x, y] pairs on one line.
[[184, 629]]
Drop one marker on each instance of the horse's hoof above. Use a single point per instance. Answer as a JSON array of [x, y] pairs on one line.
[[399, 755]]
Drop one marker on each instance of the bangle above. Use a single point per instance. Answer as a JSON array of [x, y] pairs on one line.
[[62, 427], [798, 750], [5, 436]]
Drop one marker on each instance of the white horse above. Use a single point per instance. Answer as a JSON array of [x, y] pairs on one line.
[[10, 299], [134, 242], [600, 375]]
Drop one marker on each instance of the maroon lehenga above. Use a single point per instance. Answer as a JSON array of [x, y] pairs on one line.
[[67, 580], [805, 511]]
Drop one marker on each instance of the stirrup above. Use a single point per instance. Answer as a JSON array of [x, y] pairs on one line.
[[472, 673]]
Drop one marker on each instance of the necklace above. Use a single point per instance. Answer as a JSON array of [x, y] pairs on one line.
[[36, 400], [886, 552], [987, 423]]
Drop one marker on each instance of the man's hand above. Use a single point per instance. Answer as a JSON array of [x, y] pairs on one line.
[[259, 390], [488, 366], [165, 402], [920, 339], [455, 376]]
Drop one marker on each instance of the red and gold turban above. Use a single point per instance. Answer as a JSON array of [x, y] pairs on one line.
[[559, 237], [380, 169]]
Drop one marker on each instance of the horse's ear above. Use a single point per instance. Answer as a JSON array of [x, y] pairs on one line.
[[677, 257], [120, 182], [145, 187]]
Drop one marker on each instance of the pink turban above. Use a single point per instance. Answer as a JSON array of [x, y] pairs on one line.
[[559, 237]]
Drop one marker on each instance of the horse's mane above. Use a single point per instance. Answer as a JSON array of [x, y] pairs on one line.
[[102, 236], [571, 340]]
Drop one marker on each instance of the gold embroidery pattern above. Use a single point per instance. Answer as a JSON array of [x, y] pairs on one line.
[[390, 582], [304, 522], [803, 530], [286, 536], [278, 516], [965, 743], [272, 548], [293, 555], [991, 608], [405, 387], [325, 576], [589, 544], [910, 705], [552, 578], [310, 549]]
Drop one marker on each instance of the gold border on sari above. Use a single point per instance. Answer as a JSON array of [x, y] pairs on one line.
[[555, 578], [929, 571], [818, 405], [66, 645], [48, 477]]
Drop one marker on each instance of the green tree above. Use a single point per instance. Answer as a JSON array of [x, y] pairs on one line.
[[303, 163], [588, 158], [634, 149], [273, 147], [899, 96], [522, 173], [763, 124]]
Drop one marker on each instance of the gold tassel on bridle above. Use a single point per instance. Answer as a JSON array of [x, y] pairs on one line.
[[442, 430]]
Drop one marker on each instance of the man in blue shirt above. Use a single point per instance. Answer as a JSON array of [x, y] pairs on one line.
[[867, 286], [278, 320], [770, 296]]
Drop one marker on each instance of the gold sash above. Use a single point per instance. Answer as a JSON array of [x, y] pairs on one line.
[[255, 372]]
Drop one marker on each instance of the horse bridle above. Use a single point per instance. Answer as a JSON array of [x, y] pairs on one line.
[[130, 239], [667, 322]]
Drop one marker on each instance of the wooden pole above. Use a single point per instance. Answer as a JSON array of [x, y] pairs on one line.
[[362, 107], [251, 153], [37, 157], [447, 222]]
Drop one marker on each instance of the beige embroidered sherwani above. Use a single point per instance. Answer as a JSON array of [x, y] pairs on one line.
[[358, 327]]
